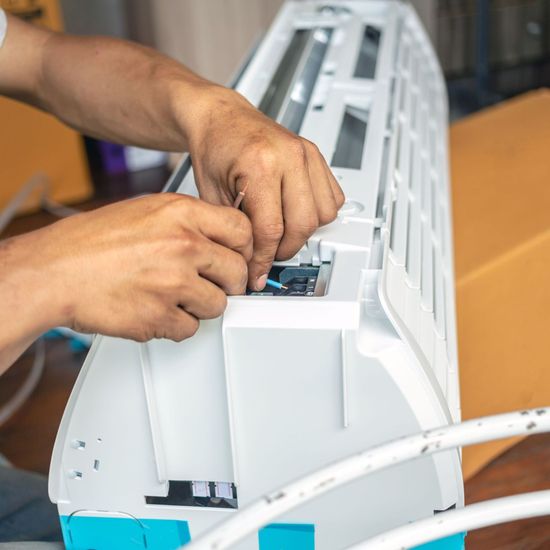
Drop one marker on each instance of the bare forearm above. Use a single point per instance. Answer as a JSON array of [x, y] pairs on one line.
[[107, 88], [120, 91], [29, 297]]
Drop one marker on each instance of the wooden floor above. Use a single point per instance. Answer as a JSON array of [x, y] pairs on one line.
[[28, 438]]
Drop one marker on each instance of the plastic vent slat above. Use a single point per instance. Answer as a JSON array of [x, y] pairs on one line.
[[401, 206], [415, 224], [419, 282], [439, 295]]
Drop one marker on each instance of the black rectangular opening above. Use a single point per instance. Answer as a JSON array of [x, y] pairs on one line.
[[201, 494], [288, 95], [368, 53], [304, 280], [351, 139], [275, 94]]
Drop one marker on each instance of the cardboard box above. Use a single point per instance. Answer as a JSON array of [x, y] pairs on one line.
[[32, 141], [500, 163]]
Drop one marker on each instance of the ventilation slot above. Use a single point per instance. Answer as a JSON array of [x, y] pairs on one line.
[[302, 88], [290, 90], [383, 179], [276, 91], [351, 139], [368, 53], [413, 261]]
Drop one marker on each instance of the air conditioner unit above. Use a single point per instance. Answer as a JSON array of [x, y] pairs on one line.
[[162, 441]]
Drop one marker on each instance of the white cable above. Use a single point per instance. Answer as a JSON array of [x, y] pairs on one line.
[[28, 386], [56, 208], [38, 181], [474, 516], [272, 505]]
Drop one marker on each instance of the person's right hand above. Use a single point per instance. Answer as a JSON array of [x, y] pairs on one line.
[[145, 268]]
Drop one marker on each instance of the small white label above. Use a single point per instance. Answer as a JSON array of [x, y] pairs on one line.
[[223, 489], [200, 489]]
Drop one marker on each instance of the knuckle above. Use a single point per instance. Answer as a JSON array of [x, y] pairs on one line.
[[270, 233], [143, 333], [220, 303], [298, 149], [141, 337], [308, 225], [175, 204], [190, 328], [185, 330], [339, 196], [242, 227], [264, 157], [240, 277], [311, 147], [189, 242], [327, 215]]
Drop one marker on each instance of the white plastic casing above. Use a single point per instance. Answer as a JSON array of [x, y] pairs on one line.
[[281, 386]]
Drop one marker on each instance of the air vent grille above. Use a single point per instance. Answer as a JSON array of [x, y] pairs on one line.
[[419, 265]]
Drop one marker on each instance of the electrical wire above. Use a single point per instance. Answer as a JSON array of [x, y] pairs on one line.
[[38, 181], [28, 386], [278, 502]]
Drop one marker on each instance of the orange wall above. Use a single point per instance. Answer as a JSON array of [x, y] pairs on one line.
[[31, 141]]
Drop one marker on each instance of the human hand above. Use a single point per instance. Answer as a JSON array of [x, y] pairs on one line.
[[146, 268], [289, 189]]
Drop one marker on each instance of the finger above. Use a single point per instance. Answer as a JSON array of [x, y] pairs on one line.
[[224, 225], [262, 204], [205, 301], [322, 189], [224, 267], [337, 192], [179, 325], [299, 210]]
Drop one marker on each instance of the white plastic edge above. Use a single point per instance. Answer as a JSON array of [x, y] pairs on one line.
[[474, 516]]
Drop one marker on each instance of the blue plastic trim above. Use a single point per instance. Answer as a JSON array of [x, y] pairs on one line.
[[287, 536], [454, 542], [108, 533], [126, 533]]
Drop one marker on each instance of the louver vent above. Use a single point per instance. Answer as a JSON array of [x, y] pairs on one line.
[[418, 271]]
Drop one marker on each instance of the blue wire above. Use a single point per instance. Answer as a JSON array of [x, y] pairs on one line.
[[274, 284]]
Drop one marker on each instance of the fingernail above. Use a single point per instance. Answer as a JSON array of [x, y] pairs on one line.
[[261, 282]]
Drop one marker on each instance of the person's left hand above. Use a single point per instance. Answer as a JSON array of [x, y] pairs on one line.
[[289, 188]]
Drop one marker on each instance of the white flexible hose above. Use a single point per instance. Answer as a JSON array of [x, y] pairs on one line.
[[38, 181], [28, 386], [272, 505], [474, 516]]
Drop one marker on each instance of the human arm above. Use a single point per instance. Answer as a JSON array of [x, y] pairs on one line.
[[127, 93], [146, 268]]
